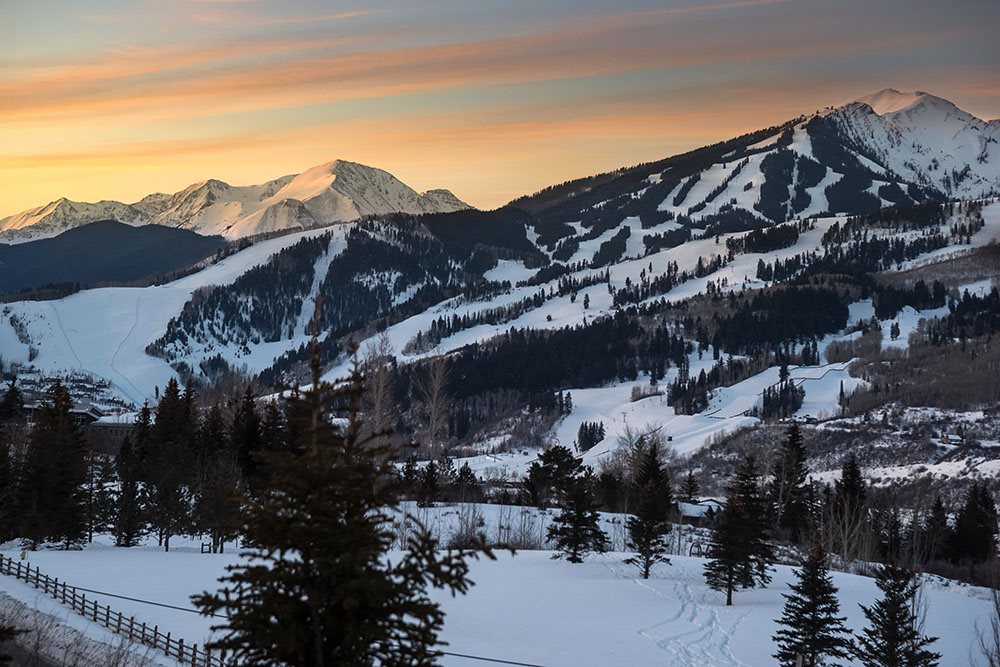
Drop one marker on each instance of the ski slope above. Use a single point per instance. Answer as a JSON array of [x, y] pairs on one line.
[[105, 331]]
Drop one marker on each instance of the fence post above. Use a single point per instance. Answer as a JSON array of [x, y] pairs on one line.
[[61, 591]]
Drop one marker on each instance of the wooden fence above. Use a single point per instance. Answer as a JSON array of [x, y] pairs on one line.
[[124, 626]]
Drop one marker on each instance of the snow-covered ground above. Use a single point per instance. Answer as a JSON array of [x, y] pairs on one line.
[[728, 409], [534, 609], [106, 331]]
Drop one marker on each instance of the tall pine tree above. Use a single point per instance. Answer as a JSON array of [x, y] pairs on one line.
[[51, 500], [789, 489], [739, 552], [811, 628], [649, 524], [129, 519], [321, 531], [893, 637], [169, 463], [575, 530], [688, 493], [976, 526]]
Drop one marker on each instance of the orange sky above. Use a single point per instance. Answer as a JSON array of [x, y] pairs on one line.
[[113, 100]]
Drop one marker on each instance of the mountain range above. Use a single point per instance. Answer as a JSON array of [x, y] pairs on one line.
[[883, 149], [338, 191], [851, 251]]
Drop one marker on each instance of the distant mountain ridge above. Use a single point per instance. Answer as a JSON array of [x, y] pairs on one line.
[[883, 149], [338, 191], [100, 252]]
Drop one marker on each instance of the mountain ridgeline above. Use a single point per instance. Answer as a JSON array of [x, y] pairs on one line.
[[684, 276], [102, 252], [337, 191]]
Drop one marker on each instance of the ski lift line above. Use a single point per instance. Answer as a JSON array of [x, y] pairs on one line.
[[150, 602], [468, 656], [496, 661]]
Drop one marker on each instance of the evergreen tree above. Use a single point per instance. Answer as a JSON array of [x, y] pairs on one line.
[[430, 486], [575, 529], [321, 531], [936, 532], [51, 501], [810, 624], [12, 403], [6, 490], [100, 494], [218, 483], [847, 512], [552, 473], [129, 520], [789, 488], [850, 490], [690, 489], [893, 637], [649, 525], [169, 463], [467, 484], [411, 477], [245, 433], [738, 550], [273, 429], [976, 526], [217, 503]]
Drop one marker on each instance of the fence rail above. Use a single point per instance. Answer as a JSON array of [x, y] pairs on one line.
[[124, 626]]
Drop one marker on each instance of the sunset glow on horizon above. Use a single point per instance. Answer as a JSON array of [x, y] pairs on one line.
[[492, 100]]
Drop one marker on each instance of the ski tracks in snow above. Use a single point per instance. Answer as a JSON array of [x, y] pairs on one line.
[[114, 357], [695, 634]]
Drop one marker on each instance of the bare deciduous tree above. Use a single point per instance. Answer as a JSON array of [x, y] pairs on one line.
[[379, 383], [432, 392]]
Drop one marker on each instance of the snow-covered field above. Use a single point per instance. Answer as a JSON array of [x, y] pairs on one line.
[[534, 609]]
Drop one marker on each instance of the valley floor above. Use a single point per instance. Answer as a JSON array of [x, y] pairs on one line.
[[530, 608]]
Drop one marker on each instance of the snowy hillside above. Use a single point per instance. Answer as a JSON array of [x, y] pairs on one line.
[[849, 159], [926, 140], [105, 331], [530, 608], [249, 322], [673, 295], [338, 191]]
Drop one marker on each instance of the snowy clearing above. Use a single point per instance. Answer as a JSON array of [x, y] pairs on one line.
[[532, 608]]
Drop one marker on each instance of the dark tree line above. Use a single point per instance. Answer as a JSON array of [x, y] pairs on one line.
[[589, 434]]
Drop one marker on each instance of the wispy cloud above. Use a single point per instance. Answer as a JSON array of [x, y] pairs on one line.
[[218, 79], [252, 88]]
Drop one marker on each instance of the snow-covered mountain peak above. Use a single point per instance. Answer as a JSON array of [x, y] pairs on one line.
[[345, 190], [890, 100], [337, 191], [918, 106], [924, 139]]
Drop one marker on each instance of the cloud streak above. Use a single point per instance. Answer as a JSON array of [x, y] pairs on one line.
[[431, 92]]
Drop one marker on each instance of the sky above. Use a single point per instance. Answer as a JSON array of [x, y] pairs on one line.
[[492, 99]]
